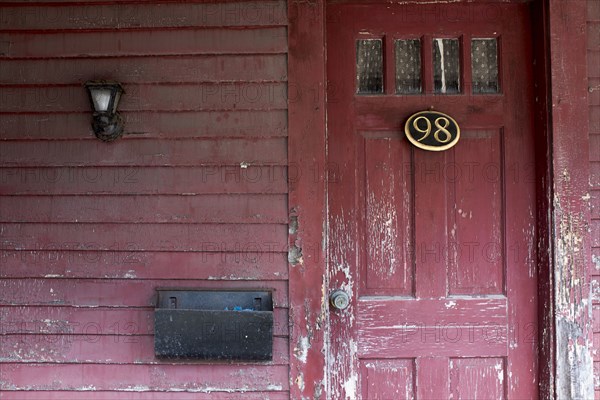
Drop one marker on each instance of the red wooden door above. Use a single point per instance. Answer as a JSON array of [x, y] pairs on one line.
[[435, 249]]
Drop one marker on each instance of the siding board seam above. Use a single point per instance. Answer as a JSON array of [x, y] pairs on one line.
[[140, 29], [67, 3], [134, 55]]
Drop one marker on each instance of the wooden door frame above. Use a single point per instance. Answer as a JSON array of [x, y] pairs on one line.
[[562, 172]]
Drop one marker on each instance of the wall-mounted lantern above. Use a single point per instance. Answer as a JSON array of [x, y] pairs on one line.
[[104, 97]]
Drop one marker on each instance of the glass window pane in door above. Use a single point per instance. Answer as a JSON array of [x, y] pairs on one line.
[[408, 66], [484, 65], [446, 66], [369, 66]]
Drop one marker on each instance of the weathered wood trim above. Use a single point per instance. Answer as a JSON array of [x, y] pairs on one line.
[[306, 152], [570, 213], [543, 150]]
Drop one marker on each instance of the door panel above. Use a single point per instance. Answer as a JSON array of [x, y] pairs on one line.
[[435, 249], [388, 266], [388, 379]]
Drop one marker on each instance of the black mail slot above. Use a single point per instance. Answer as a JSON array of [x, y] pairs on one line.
[[214, 324]]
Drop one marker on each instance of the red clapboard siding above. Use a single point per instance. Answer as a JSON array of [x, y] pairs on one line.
[[165, 69], [114, 43], [595, 175], [147, 180], [595, 203], [57, 320], [258, 208], [269, 123], [144, 152], [593, 63], [593, 35], [124, 262], [169, 15], [595, 119], [194, 195], [594, 94], [146, 237], [116, 3], [189, 97], [593, 10], [113, 293], [102, 395], [595, 232], [595, 146], [93, 348], [203, 377]]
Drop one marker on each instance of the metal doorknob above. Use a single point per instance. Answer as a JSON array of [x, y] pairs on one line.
[[339, 299]]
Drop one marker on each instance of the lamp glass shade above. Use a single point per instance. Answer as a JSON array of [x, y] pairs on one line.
[[104, 95], [101, 99], [117, 95]]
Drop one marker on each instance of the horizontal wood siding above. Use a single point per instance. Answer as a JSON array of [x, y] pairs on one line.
[[593, 30], [147, 395], [194, 195]]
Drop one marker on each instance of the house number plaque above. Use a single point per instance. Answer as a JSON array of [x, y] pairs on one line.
[[432, 130]]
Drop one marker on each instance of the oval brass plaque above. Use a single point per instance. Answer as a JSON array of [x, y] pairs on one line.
[[432, 130]]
